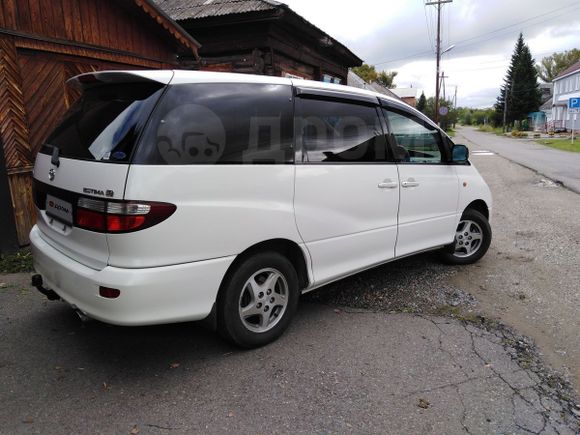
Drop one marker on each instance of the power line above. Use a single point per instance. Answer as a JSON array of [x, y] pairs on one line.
[[462, 44], [428, 22], [573, 5]]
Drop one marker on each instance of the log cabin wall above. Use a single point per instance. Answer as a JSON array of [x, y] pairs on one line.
[[45, 42], [261, 37]]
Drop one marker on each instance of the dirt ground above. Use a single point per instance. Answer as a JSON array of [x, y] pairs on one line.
[[530, 279]]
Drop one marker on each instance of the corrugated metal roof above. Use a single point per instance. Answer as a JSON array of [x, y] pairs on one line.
[[405, 92], [192, 9], [356, 81], [547, 105]]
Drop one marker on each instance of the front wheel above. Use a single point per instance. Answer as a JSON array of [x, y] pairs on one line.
[[258, 300], [472, 239]]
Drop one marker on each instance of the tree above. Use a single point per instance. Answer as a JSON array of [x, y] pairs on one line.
[[520, 87], [445, 121], [469, 116], [370, 75], [422, 102], [550, 66], [386, 78], [366, 72]]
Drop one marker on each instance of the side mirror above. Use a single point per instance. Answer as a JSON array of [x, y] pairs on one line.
[[459, 154]]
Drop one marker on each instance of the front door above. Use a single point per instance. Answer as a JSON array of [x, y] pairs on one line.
[[346, 192], [429, 186]]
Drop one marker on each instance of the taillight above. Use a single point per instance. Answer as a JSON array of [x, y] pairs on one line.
[[120, 217]]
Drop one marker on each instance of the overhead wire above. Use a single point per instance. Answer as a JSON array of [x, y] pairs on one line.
[[463, 44]]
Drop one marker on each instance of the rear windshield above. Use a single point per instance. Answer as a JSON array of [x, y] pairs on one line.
[[105, 123]]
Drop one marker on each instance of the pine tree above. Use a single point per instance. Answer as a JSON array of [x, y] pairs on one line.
[[421, 103], [520, 86]]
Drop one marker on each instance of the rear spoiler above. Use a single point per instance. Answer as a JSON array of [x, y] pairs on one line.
[[89, 80]]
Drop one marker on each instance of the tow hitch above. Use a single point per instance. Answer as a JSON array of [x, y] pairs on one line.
[[50, 294]]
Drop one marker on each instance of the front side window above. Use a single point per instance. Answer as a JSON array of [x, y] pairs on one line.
[[335, 131], [220, 123], [417, 141]]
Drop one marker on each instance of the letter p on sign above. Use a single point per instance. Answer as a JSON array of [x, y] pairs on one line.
[[574, 103]]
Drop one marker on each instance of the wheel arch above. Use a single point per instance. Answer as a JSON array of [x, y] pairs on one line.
[[286, 247], [480, 206]]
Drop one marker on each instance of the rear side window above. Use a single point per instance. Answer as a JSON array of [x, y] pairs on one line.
[[105, 123], [417, 141], [220, 124], [335, 131]]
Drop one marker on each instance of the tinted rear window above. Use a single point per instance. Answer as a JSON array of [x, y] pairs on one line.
[[105, 123], [220, 123]]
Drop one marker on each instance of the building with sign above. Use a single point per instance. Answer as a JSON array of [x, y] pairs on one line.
[[566, 86]]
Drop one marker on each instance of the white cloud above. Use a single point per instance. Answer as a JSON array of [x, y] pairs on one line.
[[483, 31]]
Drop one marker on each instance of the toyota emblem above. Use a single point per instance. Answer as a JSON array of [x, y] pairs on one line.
[[51, 174]]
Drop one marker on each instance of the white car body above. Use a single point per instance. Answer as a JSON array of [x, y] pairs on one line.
[[338, 216]]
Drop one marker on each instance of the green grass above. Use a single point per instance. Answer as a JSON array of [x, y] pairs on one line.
[[489, 129], [20, 261], [562, 144], [450, 132]]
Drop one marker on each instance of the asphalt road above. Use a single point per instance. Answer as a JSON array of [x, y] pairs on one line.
[[339, 368], [334, 371], [561, 166]]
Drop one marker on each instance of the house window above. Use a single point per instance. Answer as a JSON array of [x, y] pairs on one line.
[[293, 76], [327, 78]]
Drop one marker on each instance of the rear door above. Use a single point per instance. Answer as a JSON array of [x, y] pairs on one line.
[[429, 186], [347, 192], [88, 155]]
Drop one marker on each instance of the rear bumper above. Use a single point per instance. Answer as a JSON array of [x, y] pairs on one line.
[[167, 294]]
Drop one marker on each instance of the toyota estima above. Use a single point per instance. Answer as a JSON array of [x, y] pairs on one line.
[[171, 196]]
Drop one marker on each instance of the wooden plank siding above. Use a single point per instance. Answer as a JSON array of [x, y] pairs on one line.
[[15, 138], [102, 23], [45, 42]]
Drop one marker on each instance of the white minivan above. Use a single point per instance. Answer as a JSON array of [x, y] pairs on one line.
[[172, 196]]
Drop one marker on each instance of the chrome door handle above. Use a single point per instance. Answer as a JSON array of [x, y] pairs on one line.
[[387, 184], [410, 183]]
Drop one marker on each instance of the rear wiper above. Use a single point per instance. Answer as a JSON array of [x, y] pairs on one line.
[[55, 156]]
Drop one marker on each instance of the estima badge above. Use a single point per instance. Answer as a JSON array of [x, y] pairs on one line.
[[99, 192], [51, 174]]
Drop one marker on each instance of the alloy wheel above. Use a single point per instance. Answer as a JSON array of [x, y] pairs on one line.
[[468, 238], [263, 300]]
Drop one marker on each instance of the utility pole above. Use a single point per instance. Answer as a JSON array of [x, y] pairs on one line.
[[505, 105], [438, 4], [443, 77], [455, 98]]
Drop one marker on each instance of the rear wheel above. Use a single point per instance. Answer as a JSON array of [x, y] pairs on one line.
[[258, 300], [472, 239]]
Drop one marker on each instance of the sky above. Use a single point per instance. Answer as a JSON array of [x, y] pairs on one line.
[[400, 35]]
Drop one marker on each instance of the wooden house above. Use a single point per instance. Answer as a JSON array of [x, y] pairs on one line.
[[42, 44], [260, 37]]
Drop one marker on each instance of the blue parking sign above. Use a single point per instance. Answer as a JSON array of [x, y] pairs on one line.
[[574, 103]]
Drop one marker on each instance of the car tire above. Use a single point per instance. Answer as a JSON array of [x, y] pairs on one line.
[[472, 239], [258, 300]]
